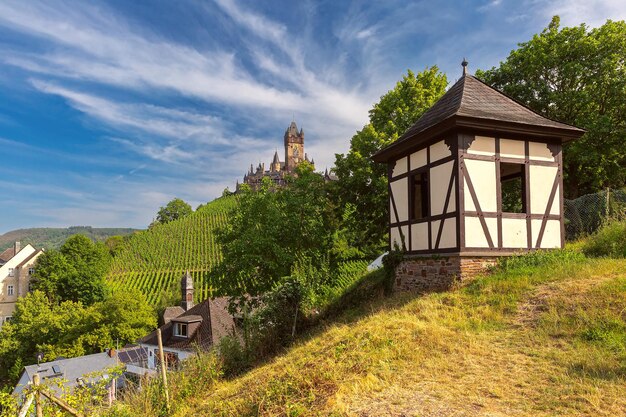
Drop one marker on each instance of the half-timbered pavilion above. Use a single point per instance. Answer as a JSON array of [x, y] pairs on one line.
[[478, 176]]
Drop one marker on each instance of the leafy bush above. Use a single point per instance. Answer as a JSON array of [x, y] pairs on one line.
[[539, 258], [608, 241]]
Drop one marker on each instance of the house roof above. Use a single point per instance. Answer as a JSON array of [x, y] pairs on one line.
[[172, 312], [30, 258], [68, 369], [472, 103], [7, 254], [216, 323]]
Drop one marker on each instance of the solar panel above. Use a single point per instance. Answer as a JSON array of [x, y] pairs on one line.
[[56, 369]]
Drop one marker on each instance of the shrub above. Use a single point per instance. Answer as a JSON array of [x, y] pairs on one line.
[[608, 241], [539, 258]]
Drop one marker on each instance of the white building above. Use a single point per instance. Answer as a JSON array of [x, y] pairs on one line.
[[16, 270], [478, 176]]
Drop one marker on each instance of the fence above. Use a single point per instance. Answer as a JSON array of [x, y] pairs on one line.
[[585, 214]]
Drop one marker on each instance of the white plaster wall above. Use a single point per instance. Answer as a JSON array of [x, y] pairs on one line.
[[482, 145], [551, 236], [439, 182], [448, 233], [419, 236], [439, 151], [510, 148], [541, 181], [514, 233], [539, 152], [395, 236], [418, 159], [400, 190], [400, 167], [483, 176], [474, 234]]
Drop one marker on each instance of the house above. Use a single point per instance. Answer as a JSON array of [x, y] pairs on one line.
[[293, 142], [65, 374], [68, 373], [16, 270], [189, 327], [477, 177]]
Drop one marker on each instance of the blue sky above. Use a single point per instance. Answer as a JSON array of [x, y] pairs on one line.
[[110, 109]]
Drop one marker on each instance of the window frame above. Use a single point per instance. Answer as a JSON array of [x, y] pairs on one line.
[[424, 173], [11, 272], [522, 175], [178, 327], [10, 290]]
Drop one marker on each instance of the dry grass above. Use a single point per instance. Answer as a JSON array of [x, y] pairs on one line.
[[529, 341]]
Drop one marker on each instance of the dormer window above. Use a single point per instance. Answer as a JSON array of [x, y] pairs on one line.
[[180, 329]]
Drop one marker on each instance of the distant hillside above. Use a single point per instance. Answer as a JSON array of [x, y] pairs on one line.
[[153, 260], [53, 238]]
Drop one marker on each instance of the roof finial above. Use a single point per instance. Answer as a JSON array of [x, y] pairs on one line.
[[464, 65]]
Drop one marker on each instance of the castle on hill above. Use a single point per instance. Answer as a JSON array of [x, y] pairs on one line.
[[294, 155]]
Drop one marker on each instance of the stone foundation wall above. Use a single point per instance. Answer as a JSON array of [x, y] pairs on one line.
[[439, 273]]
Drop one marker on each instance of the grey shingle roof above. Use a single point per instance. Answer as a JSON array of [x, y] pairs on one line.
[[69, 369], [472, 99]]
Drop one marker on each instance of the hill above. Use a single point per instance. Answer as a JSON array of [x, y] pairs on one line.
[[154, 260], [53, 238], [542, 336]]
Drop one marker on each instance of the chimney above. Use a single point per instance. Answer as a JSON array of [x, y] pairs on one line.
[[186, 289], [17, 246]]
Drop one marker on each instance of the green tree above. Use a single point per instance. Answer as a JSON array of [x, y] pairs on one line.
[[361, 191], [115, 244], [69, 328], [175, 209], [271, 228], [575, 75], [76, 272]]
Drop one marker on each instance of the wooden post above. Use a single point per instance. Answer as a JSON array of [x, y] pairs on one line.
[[608, 200], [26, 405], [38, 405], [62, 404], [163, 370]]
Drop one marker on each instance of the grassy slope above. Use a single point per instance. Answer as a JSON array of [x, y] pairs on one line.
[[53, 238], [154, 260], [532, 341]]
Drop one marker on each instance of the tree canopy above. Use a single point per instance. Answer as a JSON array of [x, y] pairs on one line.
[[271, 228], [76, 272], [575, 75], [362, 187], [175, 209], [70, 328]]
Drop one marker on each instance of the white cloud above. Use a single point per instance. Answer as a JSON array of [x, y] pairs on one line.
[[574, 12]]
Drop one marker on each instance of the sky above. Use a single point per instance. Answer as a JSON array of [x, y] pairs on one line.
[[108, 110]]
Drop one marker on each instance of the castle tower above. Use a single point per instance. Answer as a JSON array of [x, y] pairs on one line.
[[186, 289], [294, 147], [275, 166]]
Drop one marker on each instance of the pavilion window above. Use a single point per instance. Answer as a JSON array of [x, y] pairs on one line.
[[419, 201], [512, 187]]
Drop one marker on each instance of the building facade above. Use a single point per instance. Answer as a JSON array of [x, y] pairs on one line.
[[293, 156], [16, 270], [478, 176]]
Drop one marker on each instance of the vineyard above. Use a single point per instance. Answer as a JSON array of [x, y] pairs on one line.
[[154, 261]]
